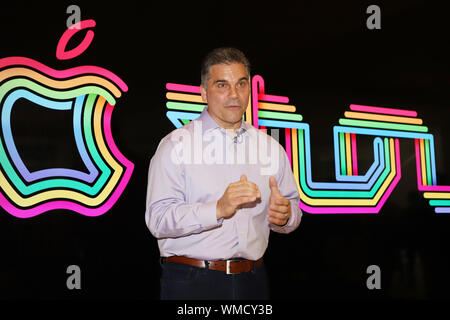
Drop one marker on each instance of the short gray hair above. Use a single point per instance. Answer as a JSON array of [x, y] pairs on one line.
[[226, 55]]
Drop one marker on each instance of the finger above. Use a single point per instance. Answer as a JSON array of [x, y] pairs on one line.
[[244, 183], [273, 185], [245, 187], [237, 183], [279, 222], [256, 188], [282, 201], [234, 184], [279, 208], [242, 200], [278, 215], [244, 193]]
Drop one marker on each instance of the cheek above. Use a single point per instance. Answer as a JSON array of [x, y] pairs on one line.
[[216, 99], [244, 99], [244, 94]]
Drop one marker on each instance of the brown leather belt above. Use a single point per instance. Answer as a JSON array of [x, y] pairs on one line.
[[228, 266]]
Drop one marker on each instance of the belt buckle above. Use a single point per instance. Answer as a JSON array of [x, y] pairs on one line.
[[228, 262]]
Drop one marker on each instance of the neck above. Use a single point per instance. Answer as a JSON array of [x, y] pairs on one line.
[[229, 127]]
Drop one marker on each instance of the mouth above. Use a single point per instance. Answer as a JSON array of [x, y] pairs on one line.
[[233, 107]]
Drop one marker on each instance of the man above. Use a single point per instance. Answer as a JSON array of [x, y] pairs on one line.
[[212, 206]]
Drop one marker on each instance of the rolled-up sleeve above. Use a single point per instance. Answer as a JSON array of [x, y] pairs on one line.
[[288, 189], [167, 214]]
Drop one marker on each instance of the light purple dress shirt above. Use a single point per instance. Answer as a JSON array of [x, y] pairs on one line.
[[186, 178]]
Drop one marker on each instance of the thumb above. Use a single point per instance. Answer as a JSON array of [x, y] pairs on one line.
[[273, 185], [243, 178]]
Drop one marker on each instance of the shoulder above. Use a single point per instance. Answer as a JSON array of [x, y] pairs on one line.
[[170, 140], [173, 145]]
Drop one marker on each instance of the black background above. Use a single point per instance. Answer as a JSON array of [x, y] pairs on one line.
[[319, 54]]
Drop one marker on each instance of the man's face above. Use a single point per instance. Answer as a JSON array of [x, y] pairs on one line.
[[227, 94]]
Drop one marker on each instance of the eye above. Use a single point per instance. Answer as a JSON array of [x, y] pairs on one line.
[[242, 84], [221, 85]]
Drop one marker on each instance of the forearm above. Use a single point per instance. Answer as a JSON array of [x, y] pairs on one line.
[[171, 219]]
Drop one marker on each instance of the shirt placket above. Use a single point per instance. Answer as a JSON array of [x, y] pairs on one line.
[[242, 215]]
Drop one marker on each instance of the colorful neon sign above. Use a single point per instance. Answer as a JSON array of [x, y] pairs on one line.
[[90, 92], [352, 192]]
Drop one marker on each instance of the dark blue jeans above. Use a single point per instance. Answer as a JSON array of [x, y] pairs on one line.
[[184, 282]]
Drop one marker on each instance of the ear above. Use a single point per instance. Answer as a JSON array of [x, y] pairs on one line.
[[203, 92]]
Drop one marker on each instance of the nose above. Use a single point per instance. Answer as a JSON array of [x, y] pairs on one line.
[[233, 92]]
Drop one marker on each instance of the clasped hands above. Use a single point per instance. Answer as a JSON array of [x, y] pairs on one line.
[[244, 191]]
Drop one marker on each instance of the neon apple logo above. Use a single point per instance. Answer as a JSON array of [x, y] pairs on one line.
[[90, 93], [352, 192]]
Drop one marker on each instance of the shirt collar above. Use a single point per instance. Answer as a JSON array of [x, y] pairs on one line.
[[208, 123]]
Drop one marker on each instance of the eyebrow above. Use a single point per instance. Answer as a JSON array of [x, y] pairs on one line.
[[225, 81]]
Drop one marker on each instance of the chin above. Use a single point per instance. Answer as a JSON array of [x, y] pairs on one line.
[[235, 117], [231, 120]]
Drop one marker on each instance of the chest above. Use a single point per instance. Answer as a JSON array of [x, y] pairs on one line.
[[206, 183]]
